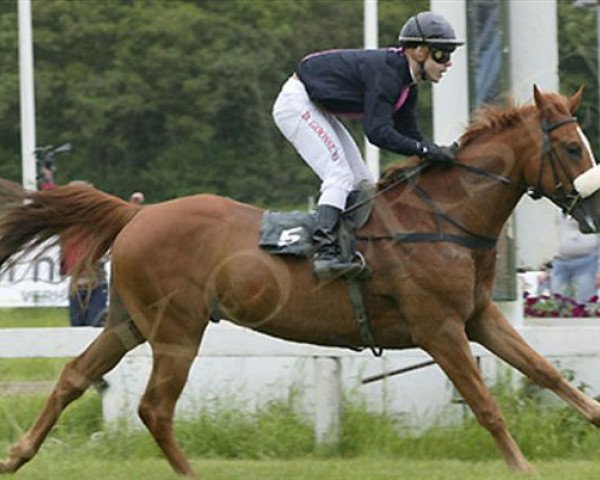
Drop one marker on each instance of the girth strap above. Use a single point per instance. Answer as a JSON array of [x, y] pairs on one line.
[[360, 314], [347, 240], [470, 240]]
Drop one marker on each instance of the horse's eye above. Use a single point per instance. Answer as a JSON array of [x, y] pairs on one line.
[[574, 150]]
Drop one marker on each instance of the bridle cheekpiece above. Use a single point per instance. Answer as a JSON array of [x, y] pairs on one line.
[[565, 200]]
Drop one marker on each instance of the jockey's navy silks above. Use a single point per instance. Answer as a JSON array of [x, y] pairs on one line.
[[373, 85]]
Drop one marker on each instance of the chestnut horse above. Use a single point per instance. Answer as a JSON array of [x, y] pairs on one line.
[[177, 263]]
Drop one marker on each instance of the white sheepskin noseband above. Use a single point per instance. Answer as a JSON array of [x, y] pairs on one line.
[[588, 182]]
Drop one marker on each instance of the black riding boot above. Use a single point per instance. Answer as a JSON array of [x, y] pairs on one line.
[[328, 261]]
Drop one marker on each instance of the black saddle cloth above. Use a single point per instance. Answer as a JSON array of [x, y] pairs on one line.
[[287, 233], [290, 233]]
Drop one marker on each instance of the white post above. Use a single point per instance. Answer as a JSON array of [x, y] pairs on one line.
[[328, 400], [533, 47], [371, 34], [27, 95], [451, 95], [598, 61], [533, 59]]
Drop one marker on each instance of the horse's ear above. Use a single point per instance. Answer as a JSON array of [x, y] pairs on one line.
[[538, 97], [575, 99]]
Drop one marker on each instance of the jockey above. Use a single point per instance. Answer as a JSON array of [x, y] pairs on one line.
[[380, 88]]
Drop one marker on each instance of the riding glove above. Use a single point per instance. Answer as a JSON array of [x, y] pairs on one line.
[[435, 153]]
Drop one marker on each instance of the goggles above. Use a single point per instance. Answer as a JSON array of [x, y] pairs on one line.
[[440, 56]]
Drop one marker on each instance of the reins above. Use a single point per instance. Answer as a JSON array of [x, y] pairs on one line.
[[566, 201], [470, 240]]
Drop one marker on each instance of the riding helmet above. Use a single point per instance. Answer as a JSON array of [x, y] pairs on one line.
[[429, 28]]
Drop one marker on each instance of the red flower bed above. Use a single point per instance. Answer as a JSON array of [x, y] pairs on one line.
[[556, 305]]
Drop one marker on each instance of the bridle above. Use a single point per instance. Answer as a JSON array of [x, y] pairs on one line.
[[567, 201]]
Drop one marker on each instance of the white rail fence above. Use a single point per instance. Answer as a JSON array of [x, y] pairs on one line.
[[245, 369]]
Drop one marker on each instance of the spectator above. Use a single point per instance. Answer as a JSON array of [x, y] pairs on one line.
[[137, 197], [575, 268], [46, 178], [88, 299]]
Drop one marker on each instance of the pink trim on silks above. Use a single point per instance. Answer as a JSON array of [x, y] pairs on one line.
[[398, 50], [404, 91], [322, 52]]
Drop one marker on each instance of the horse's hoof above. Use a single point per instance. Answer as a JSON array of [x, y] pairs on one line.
[[595, 419], [526, 469], [4, 468]]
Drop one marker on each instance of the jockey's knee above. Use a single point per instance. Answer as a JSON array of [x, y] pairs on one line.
[[334, 195]]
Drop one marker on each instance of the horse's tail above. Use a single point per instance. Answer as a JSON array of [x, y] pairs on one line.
[[29, 219]]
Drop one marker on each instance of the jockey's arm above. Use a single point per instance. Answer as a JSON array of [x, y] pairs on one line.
[[378, 125]]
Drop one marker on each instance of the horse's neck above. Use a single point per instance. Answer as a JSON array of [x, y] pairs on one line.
[[488, 202], [479, 203]]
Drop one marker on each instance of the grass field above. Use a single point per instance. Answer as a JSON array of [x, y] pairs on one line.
[[32, 369], [33, 317], [276, 443], [68, 466]]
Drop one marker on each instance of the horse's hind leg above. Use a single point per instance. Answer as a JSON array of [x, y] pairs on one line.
[[449, 347], [118, 337], [168, 377], [493, 331], [175, 339]]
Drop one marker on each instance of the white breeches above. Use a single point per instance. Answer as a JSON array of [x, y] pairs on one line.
[[322, 141]]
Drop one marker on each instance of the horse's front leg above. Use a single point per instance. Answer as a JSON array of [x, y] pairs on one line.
[[493, 331], [449, 347]]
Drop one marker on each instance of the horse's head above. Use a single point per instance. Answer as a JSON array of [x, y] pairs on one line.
[[566, 170]]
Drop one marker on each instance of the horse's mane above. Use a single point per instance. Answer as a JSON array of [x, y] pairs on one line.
[[491, 118], [488, 118]]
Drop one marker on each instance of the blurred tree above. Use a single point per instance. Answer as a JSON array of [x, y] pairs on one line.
[[173, 97], [10, 133], [579, 62]]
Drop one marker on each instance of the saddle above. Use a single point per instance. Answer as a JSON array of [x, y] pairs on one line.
[[290, 233]]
